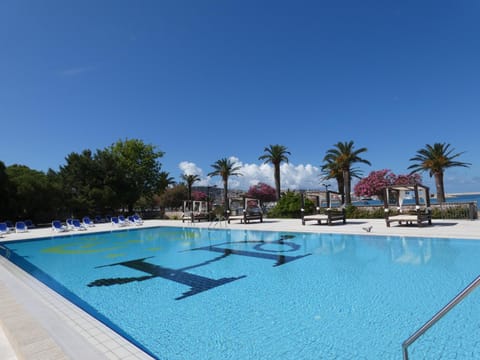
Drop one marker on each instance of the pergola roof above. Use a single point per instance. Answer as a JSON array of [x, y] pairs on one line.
[[406, 187]]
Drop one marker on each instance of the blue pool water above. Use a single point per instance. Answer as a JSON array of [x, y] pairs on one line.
[[232, 294]]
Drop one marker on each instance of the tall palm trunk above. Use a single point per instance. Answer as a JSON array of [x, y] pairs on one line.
[[277, 180], [346, 179], [225, 195], [340, 185], [439, 185]]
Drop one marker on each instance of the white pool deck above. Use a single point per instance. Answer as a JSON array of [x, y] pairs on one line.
[[37, 323]]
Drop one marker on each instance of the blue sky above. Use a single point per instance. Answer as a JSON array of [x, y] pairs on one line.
[[203, 80]]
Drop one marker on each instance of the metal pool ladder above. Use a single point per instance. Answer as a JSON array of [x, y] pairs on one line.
[[6, 250], [461, 295]]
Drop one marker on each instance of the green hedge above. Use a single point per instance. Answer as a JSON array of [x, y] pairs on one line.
[[289, 206], [458, 212]]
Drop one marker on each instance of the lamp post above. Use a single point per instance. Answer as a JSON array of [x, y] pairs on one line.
[[208, 199], [208, 202], [327, 198], [326, 187]]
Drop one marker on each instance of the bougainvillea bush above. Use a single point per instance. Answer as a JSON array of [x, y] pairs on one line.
[[262, 192], [199, 196], [375, 183]]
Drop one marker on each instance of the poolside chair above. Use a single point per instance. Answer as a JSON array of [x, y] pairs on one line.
[[419, 213], [115, 222], [20, 227], [122, 220], [134, 221], [29, 224], [58, 227], [98, 219], [69, 223], [77, 225], [244, 210], [87, 222], [10, 226], [253, 210], [235, 214], [329, 214], [4, 228], [138, 220], [194, 210]]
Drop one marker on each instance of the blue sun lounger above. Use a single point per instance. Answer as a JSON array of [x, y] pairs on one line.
[[116, 222], [123, 221], [20, 227], [77, 225], [10, 225], [30, 224], [58, 227], [87, 222], [135, 219], [4, 228]]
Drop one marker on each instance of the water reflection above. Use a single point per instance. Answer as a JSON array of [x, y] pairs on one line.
[[330, 245], [410, 250]]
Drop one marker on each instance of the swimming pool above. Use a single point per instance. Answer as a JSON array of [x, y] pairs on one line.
[[183, 293]]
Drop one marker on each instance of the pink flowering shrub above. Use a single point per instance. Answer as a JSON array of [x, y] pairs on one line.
[[262, 192], [199, 196], [408, 179], [375, 183]]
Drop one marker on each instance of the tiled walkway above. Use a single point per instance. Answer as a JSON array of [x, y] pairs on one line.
[[5, 347], [37, 323]]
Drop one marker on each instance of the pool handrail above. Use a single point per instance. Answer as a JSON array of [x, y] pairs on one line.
[[459, 297]]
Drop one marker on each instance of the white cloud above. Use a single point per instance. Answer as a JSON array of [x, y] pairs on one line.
[[189, 168], [293, 177], [301, 176]]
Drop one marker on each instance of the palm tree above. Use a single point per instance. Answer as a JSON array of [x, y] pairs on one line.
[[435, 159], [164, 181], [275, 154], [341, 158], [225, 168], [190, 179], [331, 170]]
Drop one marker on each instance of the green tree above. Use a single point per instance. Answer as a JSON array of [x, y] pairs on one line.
[[190, 179], [30, 192], [115, 177], [435, 159], [225, 168], [152, 202], [173, 197], [80, 180], [107, 196], [290, 205], [56, 196], [343, 155], [137, 170], [6, 193], [275, 154]]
